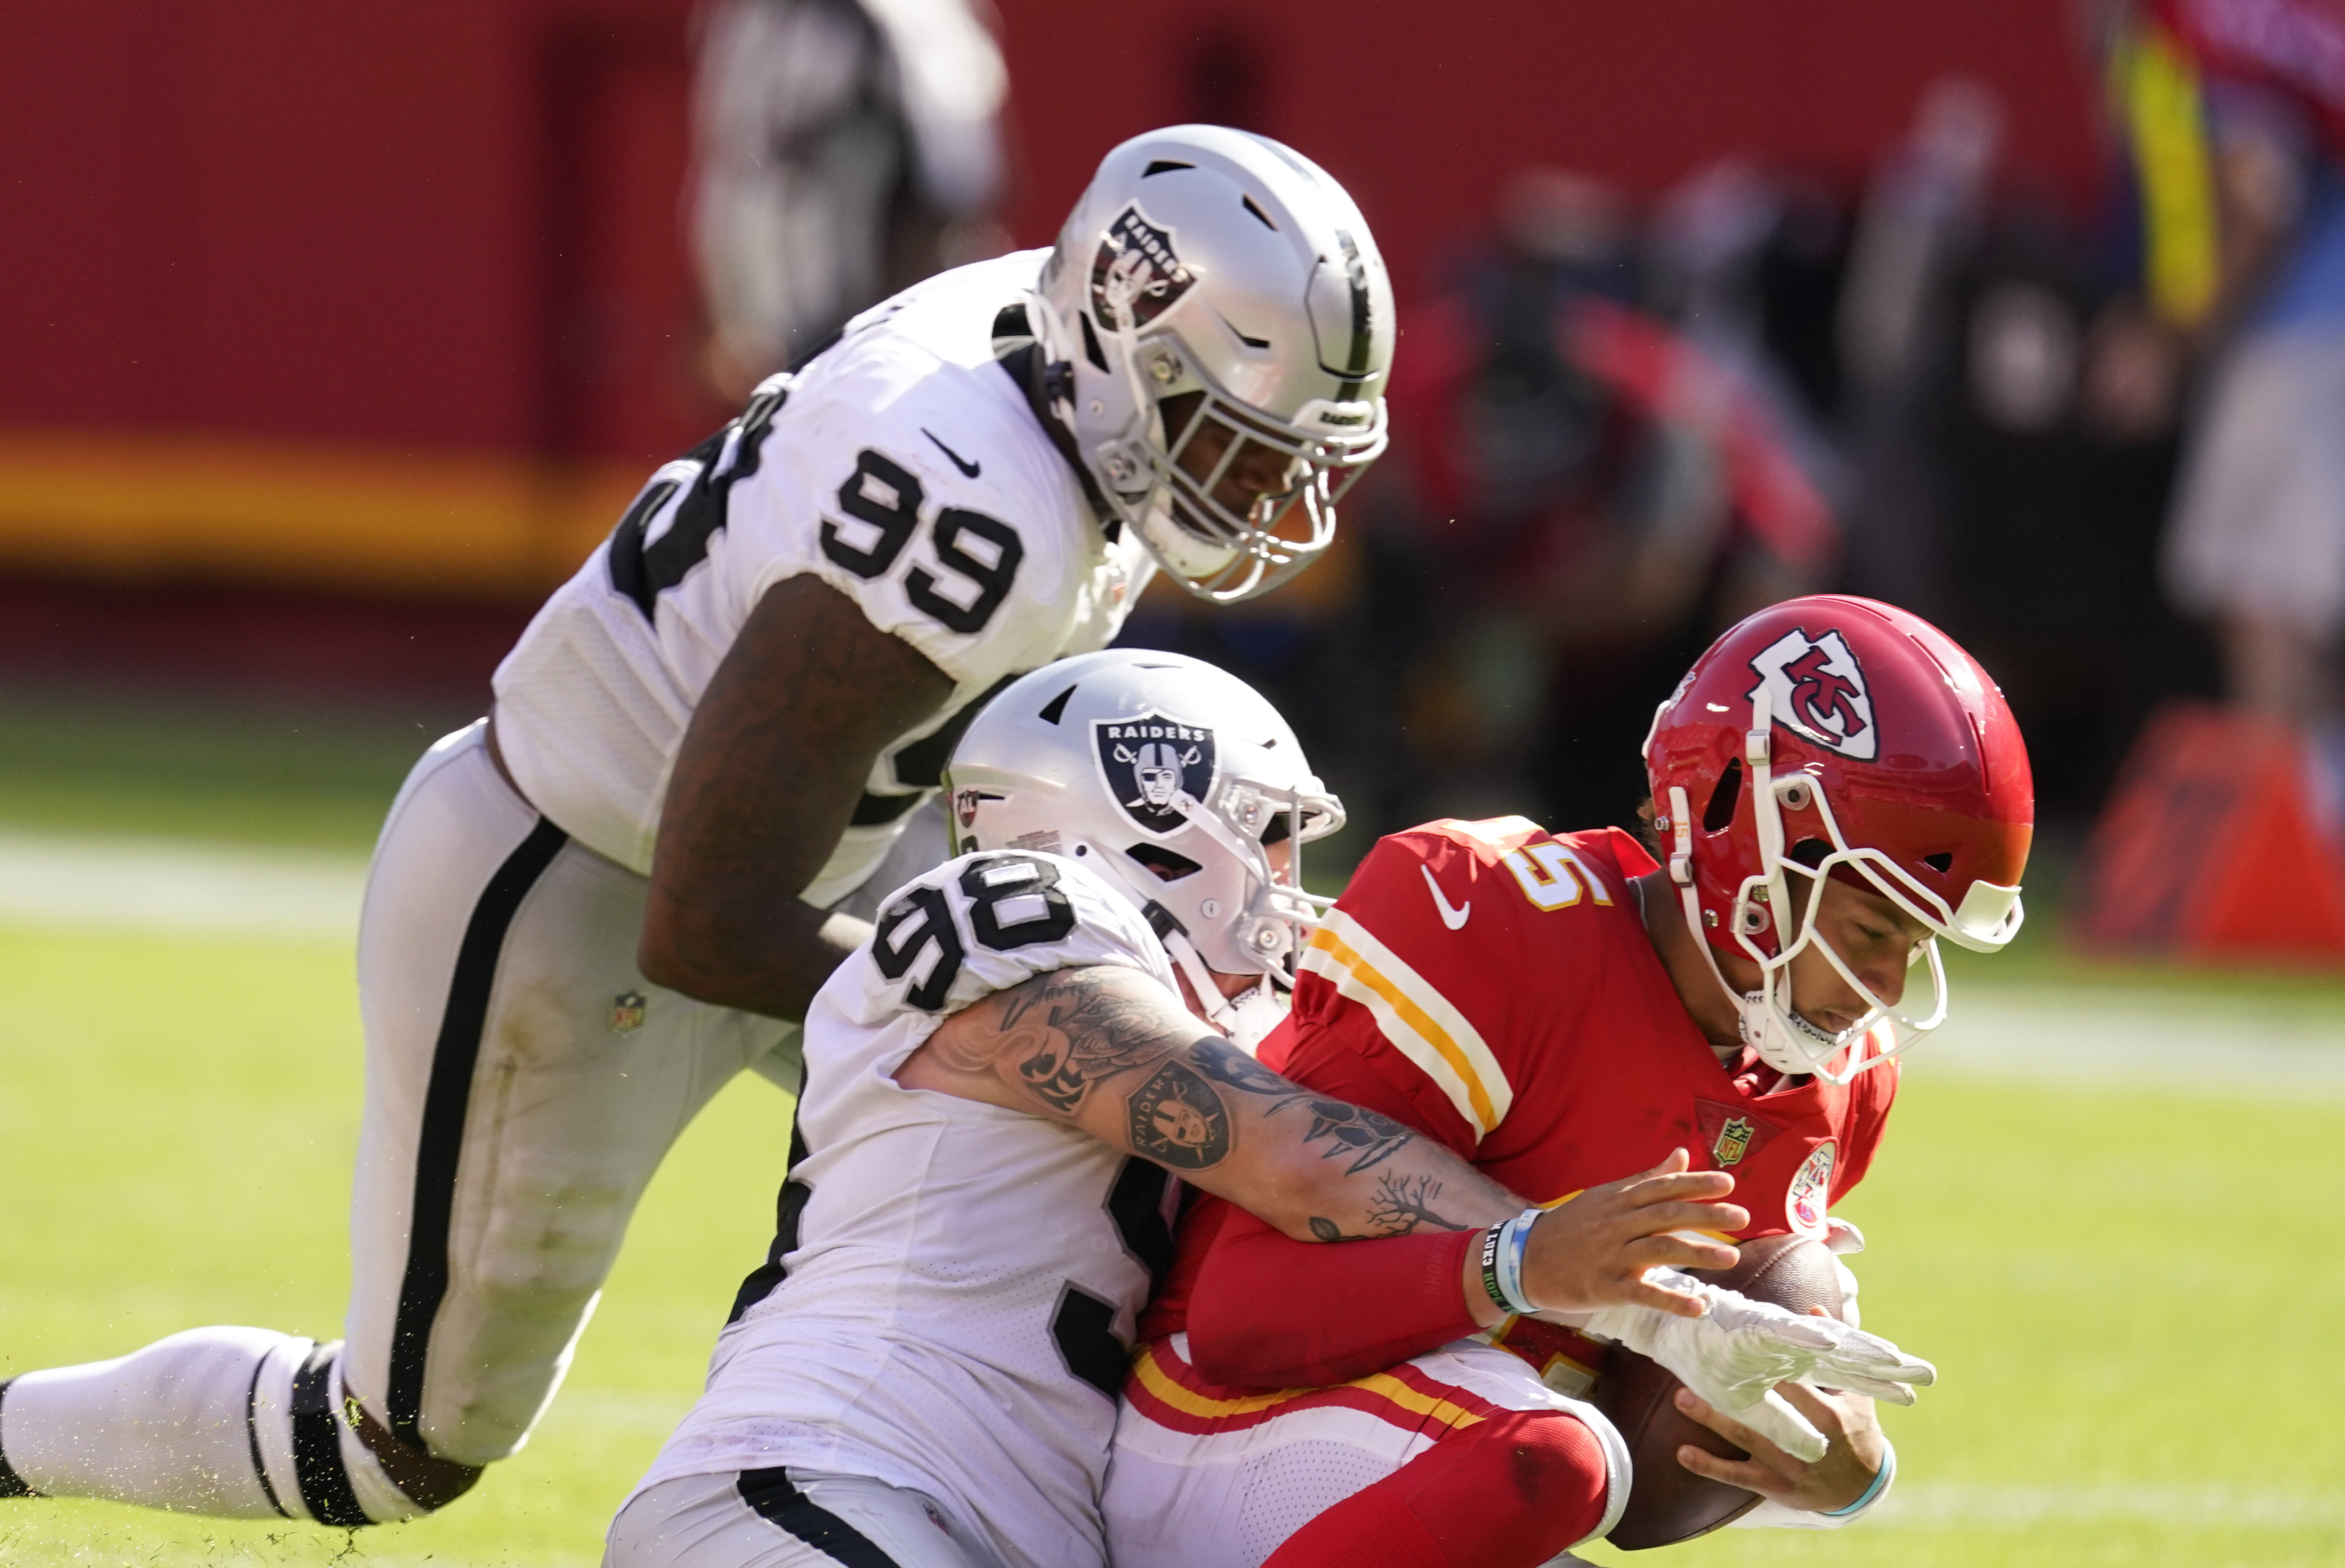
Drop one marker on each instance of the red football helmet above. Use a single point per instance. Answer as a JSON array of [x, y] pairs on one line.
[[1833, 736]]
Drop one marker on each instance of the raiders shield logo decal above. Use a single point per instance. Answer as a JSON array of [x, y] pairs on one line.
[[1817, 690], [1158, 769], [1135, 277], [965, 805]]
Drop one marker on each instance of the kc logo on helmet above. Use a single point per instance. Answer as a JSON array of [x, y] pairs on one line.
[[1158, 769], [1817, 690], [1136, 275]]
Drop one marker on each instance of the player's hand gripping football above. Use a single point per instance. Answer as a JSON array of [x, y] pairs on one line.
[[1596, 1251], [1845, 1473], [1738, 1350]]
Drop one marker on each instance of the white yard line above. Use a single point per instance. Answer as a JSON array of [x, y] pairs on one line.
[[70, 881], [2211, 1044], [2218, 1044], [1954, 1505]]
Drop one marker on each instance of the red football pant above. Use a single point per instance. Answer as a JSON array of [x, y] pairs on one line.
[[1510, 1491]]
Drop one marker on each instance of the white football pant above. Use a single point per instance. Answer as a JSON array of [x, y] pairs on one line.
[[788, 1519], [523, 1082]]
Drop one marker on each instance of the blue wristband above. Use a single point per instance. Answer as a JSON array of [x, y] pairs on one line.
[[1879, 1483], [1514, 1239]]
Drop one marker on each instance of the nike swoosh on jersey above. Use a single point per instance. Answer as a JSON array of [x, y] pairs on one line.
[[1453, 918], [960, 462]]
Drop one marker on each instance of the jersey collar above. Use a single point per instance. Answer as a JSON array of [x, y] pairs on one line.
[[1021, 356]]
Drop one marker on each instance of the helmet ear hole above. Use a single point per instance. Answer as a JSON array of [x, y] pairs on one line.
[[1168, 864], [1942, 863], [1720, 809]]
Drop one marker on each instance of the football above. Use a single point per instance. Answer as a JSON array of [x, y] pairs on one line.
[[1668, 1502]]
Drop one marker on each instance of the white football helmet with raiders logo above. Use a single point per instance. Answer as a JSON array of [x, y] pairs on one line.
[[1175, 782], [1214, 294]]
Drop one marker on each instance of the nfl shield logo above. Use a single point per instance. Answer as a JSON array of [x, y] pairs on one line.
[[1733, 1142], [1135, 276], [627, 1012], [1158, 769]]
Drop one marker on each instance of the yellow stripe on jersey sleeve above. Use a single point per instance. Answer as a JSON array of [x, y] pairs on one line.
[[1419, 1020]]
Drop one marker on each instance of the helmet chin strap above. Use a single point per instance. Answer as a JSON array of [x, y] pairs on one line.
[[1758, 1022], [1245, 1017], [1248, 1016]]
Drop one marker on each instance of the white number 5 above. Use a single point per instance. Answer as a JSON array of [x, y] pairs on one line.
[[1545, 872]]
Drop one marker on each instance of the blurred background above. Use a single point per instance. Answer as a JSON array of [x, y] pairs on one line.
[[334, 335]]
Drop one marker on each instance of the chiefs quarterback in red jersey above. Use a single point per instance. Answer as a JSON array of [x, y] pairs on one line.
[[1836, 784]]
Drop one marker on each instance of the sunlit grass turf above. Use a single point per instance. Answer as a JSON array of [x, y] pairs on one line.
[[178, 1120], [237, 771], [2126, 1292], [2130, 1295]]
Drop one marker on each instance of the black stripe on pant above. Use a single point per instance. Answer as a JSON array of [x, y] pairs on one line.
[[440, 1144], [11, 1483], [771, 1493], [318, 1467]]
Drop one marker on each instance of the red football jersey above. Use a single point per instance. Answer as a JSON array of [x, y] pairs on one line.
[[1493, 986]]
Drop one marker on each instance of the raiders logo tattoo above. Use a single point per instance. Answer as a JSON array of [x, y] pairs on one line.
[[1177, 1119]]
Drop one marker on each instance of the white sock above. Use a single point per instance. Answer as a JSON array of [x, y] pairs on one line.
[[203, 1422]]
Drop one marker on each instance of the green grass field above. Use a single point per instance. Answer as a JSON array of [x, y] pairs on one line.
[[2130, 1288]]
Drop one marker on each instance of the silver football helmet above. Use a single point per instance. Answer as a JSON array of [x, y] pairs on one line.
[[1215, 308], [1174, 781]]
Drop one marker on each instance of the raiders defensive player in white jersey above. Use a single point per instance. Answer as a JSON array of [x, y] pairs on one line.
[[589, 912], [924, 1373]]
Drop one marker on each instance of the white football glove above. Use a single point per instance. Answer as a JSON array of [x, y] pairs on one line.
[[1735, 1353]]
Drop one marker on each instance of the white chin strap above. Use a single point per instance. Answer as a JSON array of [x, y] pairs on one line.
[[1247, 1017]]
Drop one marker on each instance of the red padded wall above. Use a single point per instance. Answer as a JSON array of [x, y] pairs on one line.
[[451, 225]]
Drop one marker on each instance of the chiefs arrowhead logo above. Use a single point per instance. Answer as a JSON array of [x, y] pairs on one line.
[[1817, 690]]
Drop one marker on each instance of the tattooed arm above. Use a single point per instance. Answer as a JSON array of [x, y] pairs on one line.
[[770, 769], [1109, 1050]]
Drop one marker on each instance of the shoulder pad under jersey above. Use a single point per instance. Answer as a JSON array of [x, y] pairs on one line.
[[1455, 940]]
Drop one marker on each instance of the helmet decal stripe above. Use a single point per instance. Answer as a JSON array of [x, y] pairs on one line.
[[1355, 273]]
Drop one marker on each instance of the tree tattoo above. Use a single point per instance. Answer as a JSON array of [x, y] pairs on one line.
[[1178, 1121], [1403, 1205]]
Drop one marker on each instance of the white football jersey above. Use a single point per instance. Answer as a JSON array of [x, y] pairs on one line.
[[904, 468], [950, 1302]]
